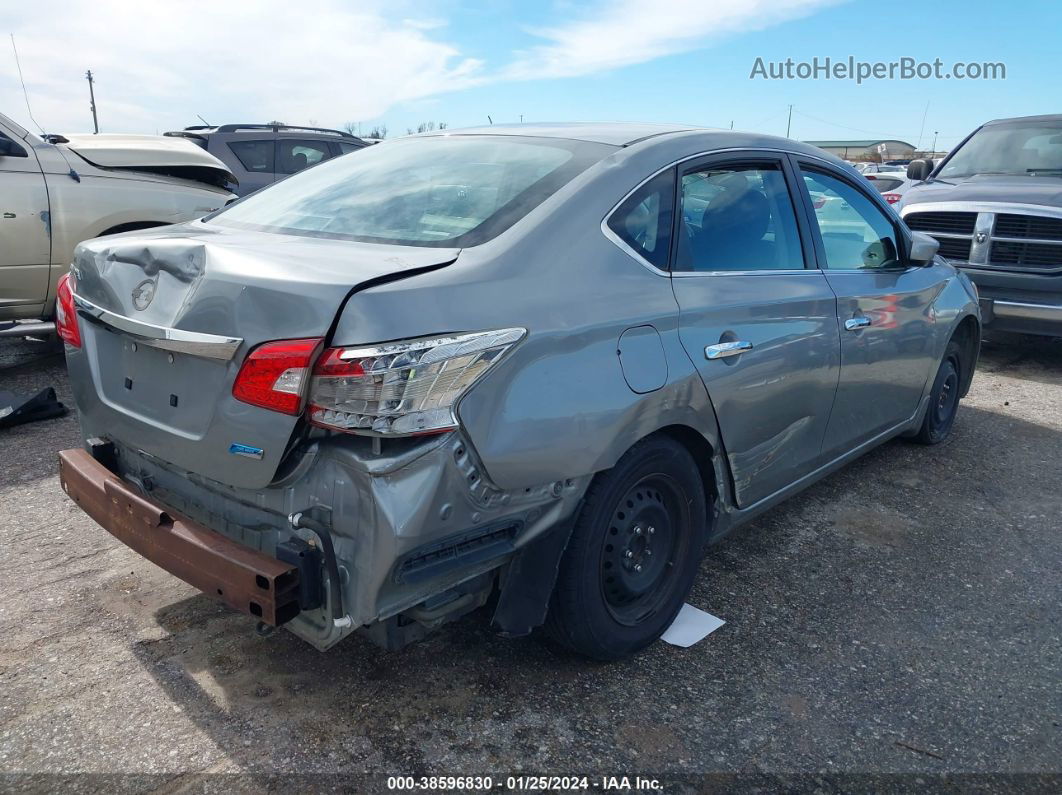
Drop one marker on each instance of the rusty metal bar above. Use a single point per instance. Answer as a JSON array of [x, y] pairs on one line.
[[243, 578]]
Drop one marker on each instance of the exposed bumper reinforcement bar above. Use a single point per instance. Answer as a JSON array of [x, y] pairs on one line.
[[243, 578]]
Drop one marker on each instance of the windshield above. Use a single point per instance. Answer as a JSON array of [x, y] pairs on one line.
[[1027, 149], [452, 191]]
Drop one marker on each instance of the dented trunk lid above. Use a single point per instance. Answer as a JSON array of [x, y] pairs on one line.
[[168, 316]]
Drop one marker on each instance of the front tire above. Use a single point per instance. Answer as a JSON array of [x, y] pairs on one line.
[[633, 554], [943, 399]]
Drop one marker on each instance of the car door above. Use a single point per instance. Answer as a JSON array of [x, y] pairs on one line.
[[294, 155], [257, 159], [757, 318], [884, 306], [25, 243]]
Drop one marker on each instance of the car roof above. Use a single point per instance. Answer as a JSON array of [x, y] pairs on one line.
[[646, 135], [1050, 117], [614, 133]]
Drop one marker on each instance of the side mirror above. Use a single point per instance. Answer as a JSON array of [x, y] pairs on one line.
[[9, 148], [919, 170], [923, 248]]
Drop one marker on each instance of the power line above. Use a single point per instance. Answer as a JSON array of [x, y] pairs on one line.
[[846, 127]]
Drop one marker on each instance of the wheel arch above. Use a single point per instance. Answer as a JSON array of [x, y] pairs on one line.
[[132, 226], [967, 334], [703, 453]]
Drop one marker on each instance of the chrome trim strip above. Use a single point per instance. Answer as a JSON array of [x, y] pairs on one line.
[[763, 272], [1041, 241], [1004, 208], [194, 343], [1016, 309], [955, 235]]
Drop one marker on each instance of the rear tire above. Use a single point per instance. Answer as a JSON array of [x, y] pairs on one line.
[[943, 399], [634, 551]]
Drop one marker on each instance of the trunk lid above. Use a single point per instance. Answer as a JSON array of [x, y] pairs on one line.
[[168, 316]]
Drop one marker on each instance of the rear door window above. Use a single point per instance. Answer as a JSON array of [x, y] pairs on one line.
[[643, 222], [255, 156], [738, 218], [294, 156]]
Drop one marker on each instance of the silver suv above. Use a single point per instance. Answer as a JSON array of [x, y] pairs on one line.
[[550, 363], [261, 154]]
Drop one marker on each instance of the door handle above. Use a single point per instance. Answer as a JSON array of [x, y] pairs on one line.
[[724, 349], [856, 323]]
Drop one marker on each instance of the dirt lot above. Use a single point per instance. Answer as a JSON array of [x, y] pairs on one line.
[[903, 616]]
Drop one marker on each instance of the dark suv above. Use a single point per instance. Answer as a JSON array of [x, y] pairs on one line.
[[260, 154]]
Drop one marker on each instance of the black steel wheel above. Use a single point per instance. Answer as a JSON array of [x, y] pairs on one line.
[[943, 399], [633, 554]]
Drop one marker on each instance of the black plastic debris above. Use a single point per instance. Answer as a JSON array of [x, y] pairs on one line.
[[17, 409]]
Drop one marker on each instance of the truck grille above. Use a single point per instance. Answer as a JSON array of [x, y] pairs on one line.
[[949, 223], [954, 248], [1026, 255], [1007, 241], [1031, 226]]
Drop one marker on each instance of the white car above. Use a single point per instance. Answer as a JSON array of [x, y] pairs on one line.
[[890, 184], [879, 168], [60, 190]]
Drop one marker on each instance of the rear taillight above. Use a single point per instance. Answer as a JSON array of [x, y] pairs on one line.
[[402, 388], [65, 313], [891, 198], [274, 375]]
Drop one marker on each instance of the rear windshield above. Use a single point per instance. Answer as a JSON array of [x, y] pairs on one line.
[[885, 184], [451, 191]]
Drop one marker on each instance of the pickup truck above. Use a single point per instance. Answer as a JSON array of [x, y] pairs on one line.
[[56, 191], [995, 205]]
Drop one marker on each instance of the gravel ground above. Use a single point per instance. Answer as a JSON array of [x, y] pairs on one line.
[[900, 617]]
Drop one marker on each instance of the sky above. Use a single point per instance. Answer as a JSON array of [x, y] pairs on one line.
[[160, 66]]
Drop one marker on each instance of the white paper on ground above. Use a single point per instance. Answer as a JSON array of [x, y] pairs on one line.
[[691, 625]]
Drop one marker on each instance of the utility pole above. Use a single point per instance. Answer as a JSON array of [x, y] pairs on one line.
[[92, 102], [935, 133], [789, 123]]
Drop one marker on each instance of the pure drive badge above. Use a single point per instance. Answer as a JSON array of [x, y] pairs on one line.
[[246, 451]]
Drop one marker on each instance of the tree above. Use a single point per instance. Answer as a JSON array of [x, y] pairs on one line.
[[426, 126], [350, 127], [379, 131]]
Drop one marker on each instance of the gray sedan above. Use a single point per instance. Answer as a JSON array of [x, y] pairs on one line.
[[537, 366]]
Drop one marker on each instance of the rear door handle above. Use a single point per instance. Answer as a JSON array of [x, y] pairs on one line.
[[856, 323], [724, 349]]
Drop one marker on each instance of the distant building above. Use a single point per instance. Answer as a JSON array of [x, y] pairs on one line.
[[867, 150]]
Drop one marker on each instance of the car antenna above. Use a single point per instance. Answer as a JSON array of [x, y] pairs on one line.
[[72, 174], [490, 119], [25, 93], [203, 120]]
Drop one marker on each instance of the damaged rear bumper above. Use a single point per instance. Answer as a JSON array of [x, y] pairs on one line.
[[243, 578]]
